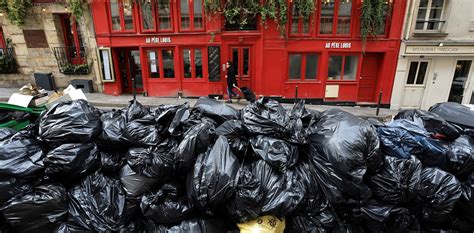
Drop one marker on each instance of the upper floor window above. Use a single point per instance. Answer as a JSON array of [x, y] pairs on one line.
[[155, 16], [387, 12], [121, 14], [299, 24], [191, 17], [430, 14], [335, 18]]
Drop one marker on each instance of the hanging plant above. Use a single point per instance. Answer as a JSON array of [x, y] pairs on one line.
[[278, 11], [304, 8], [212, 6], [241, 11], [76, 8], [373, 16], [16, 10]]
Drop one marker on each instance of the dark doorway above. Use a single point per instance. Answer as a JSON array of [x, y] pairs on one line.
[[368, 77], [461, 74], [130, 69]]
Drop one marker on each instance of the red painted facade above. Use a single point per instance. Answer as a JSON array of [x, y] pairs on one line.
[[263, 56]]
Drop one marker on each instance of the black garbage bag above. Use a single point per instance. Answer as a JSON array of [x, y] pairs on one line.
[[112, 161], [154, 162], [21, 158], [235, 133], [139, 134], [70, 122], [68, 227], [137, 112], [461, 157], [245, 204], [379, 217], [99, 204], [432, 122], [283, 192], [216, 110], [168, 205], [402, 138], [6, 133], [214, 176], [249, 95], [38, 210], [196, 140], [398, 180], [265, 117], [455, 113], [465, 206], [113, 125], [278, 153], [295, 128], [10, 187], [195, 225], [439, 193], [170, 117], [344, 148], [135, 184], [71, 161], [301, 223]]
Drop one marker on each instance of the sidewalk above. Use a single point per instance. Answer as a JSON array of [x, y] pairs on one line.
[[108, 101]]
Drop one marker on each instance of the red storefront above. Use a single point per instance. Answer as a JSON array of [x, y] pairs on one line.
[[175, 49]]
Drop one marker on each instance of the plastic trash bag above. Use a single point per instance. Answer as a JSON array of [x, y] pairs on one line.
[[248, 94], [168, 205], [216, 110], [112, 161], [21, 158], [70, 122], [38, 210], [295, 127], [137, 112], [154, 162], [432, 122], [139, 134], [10, 187], [344, 149], [6, 133], [455, 113], [323, 222], [170, 117], [465, 206], [113, 125], [461, 157], [398, 180], [282, 191], [196, 140], [195, 225], [71, 161], [135, 184], [278, 153], [265, 117], [264, 224], [235, 133], [378, 217], [439, 193], [214, 176], [403, 138], [99, 204], [245, 204]]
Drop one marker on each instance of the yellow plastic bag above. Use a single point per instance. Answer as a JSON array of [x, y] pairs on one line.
[[264, 224]]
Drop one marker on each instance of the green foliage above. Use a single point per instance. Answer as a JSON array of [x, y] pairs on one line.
[[212, 6], [373, 16], [15, 10], [76, 8], [240, 11], [278, 11], [304, 8]]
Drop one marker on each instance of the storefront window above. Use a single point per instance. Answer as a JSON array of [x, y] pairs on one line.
[[161, 63], [191, 14], [299, 24], [303, 66], [335, 20], [343, 67], [121, 14], [192, 63], [154, 69], [168, 63]]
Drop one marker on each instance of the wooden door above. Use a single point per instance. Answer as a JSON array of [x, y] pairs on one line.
[[368, 77], [241, 56], [130, 70]]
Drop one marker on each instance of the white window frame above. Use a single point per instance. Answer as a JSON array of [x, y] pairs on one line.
[[416, 74], [427, 17]]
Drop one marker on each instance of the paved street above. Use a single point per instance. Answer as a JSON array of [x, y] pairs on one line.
[[108, 102]]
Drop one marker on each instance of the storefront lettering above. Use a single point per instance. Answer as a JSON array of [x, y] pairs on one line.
[[338, 45], [439, 50], [158, 40]]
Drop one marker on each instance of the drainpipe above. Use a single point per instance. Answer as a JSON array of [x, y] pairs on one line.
[[409, 20]]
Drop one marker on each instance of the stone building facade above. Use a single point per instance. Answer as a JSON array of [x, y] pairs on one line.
[[50, 42]]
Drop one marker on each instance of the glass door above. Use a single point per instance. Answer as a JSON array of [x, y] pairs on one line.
[[460, 81], [130, 69], [241, 57]]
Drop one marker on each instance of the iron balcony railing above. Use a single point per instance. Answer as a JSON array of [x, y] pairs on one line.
[[7, 61], [72, 60]]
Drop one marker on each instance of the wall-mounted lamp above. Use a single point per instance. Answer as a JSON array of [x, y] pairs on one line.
[[43, 9], [65, 8], [440, 44], [1, 13]]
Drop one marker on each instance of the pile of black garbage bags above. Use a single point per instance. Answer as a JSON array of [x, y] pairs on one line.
[[207, 168]]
